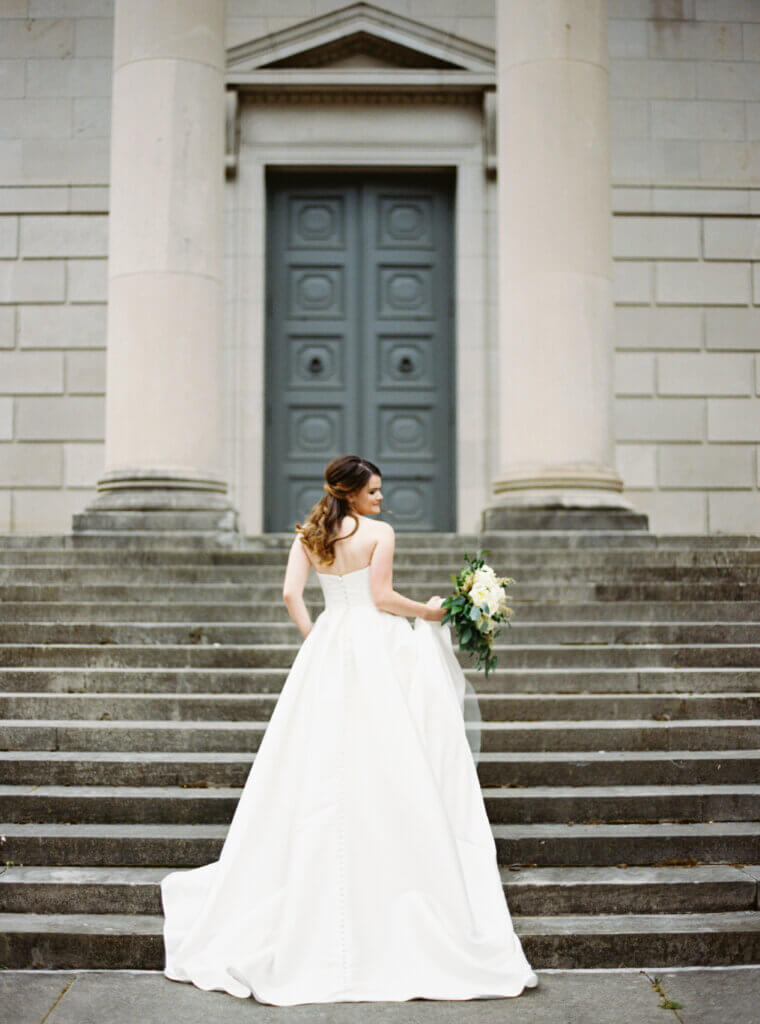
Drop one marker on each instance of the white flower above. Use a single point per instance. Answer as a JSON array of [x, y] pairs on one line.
[[485, 575], [487, 597], [480, 594]]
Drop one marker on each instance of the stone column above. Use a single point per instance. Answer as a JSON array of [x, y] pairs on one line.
[[555, 284], [165, 301]]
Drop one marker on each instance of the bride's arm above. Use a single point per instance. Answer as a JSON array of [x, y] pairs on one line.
[[296, 573], [381, 582]]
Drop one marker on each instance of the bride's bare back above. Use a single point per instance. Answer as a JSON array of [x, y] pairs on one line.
[[355, 552], [371, 545]]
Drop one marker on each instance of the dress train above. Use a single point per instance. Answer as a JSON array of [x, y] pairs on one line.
[[360, 862]]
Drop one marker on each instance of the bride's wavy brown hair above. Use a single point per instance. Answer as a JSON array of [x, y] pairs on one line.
[[343, 477]]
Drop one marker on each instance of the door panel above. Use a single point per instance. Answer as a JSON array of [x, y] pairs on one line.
[[359, 350]]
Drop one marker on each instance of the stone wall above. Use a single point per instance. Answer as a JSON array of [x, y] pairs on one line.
[[685, 120], [686, 368], [55, 87]]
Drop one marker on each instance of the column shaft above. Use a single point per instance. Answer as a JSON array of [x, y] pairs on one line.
[[165, 301], [555, 287]]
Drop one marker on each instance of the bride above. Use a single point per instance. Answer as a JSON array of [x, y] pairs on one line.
[[360, 864]]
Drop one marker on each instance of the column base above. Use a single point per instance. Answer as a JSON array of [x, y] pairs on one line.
[[576, 496], [557, 517], [157, 500]]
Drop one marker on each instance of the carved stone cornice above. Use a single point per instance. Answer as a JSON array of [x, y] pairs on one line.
[[399, 38], [297, 65], [370, 80], [350, 96]]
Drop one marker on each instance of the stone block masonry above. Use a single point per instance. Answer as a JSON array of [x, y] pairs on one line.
[[687, 381], [52, 353], [55, 95], [685, 102], [685, 136]]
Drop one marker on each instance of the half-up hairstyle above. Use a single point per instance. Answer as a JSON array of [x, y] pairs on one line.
[[344, 476]]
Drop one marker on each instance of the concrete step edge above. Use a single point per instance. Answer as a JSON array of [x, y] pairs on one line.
[[117, 793], [601, 724], [148, 924], [486, 757], [136, 832], [569, 876]]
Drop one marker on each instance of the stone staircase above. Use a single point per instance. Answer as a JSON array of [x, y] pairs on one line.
[[621, 764]]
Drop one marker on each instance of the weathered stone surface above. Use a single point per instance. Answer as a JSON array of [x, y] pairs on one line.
[[661, 419], [60, 419], [716, 374], [31, 373], [623, 998], [661, 328], [712, 466], [62, 326], [634, 373], [716, 284], [31, 280], [620, 734]]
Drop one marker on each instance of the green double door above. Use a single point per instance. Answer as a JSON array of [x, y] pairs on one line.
[[359, 356]]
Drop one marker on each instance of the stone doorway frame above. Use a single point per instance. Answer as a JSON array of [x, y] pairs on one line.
[[408, 133]]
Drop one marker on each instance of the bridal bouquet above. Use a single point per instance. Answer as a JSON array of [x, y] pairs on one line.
[[477, 606]]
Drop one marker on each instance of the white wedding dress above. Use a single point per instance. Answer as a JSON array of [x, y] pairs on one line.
[[360, 864]]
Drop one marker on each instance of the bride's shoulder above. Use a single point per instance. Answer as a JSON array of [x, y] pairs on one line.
[[381, 529]]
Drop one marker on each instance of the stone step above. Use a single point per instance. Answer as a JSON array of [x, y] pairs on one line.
[[75, 890], [487, 539], [511, 707], [509, 656], [618, 768], [259, 612], [621, 728], [187, 540], [658, 845], [517, 518], [633, 734], [403, 573], [528, 805], [661, 591], [501, 539], [549, 592], [245, 593], [81, 941], [120, 941], [631, 940], [705, 889], [270, 680], [639, 612], [245, 560], [544, 845], [509, 769], [160, 519], [535, 634], [529, 891]]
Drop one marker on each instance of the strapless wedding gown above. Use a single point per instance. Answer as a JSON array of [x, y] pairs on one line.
[[360, 863]]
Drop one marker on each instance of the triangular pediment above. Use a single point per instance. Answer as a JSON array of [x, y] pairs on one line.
[[360, 36]]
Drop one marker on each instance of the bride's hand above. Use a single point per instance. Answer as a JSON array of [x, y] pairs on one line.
[[436, 613]]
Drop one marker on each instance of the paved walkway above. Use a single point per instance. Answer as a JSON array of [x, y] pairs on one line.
[[721, 996]]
